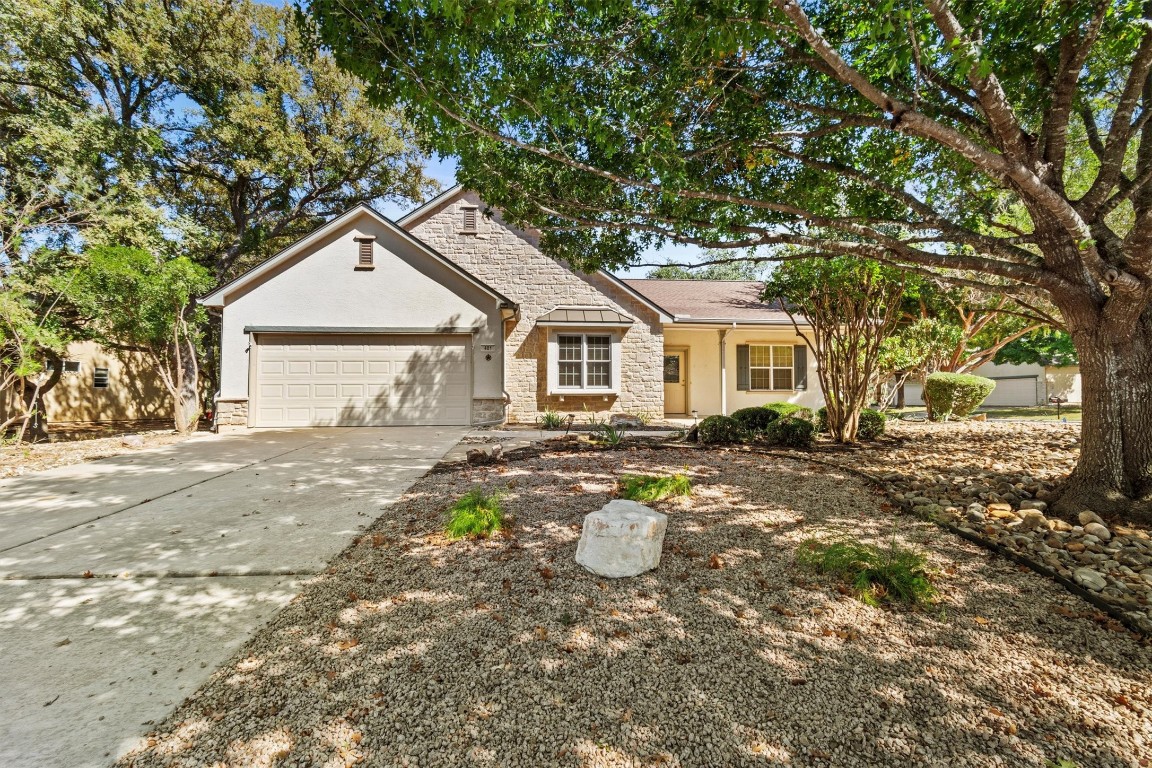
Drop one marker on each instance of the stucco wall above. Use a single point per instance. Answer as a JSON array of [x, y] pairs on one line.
[[704, 368], [509, 261], [322, 288], [134, 390]]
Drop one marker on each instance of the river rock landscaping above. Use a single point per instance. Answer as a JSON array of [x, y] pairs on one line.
[[993, 481], [415, 650]]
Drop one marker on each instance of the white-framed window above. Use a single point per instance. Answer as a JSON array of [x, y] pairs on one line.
[[770, 367], [583, 361]]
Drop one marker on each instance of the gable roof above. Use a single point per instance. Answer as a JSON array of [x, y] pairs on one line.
[[216, 298], [413, 217], [713, 301]]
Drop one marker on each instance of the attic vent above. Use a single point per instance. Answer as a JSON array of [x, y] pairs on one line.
[[469, 219], [364, 260]]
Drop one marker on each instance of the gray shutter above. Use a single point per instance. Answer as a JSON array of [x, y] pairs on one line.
[[800, 367], [742, 367]]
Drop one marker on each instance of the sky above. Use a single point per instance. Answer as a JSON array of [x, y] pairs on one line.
[[444, 171]]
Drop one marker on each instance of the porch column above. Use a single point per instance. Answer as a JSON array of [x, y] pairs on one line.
[[723, 372]]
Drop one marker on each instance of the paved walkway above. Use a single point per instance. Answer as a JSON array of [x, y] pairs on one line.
[[127, 581]]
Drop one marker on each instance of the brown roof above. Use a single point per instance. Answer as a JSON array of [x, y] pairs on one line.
[[712, 300]]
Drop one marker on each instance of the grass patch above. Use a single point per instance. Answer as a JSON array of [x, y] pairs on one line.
[[877, 574], [649, 488], [477, 514]]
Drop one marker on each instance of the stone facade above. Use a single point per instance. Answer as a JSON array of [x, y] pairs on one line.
[[487, 410], [508, 260], [231, 414]]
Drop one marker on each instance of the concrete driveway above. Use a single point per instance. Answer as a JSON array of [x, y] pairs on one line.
[[127, 581]]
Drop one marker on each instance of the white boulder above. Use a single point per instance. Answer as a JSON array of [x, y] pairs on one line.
[[622, 539]]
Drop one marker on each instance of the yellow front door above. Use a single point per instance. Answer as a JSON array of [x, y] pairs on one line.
[[675, 381]]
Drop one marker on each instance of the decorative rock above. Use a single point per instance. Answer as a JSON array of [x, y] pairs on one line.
[[1001, 510], [622, 539], [1039, 506], [1088, 516], [624, 420], [1060, 525], [132, 441], [1034, 521], [1086, 577], [1098, 530]]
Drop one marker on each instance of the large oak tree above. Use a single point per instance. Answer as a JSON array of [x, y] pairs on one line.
[[1003, 141]]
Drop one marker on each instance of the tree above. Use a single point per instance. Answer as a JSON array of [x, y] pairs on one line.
[[27, 341], [1043, 347], [851, 306], [1002, 143], [716, 266], [140, 301]]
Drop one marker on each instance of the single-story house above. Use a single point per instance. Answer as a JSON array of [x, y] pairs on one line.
[[98, 384], [451, 316], [1017, 385]]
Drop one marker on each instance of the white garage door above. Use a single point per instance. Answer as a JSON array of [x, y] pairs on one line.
[[361, 380], [1015, 391]]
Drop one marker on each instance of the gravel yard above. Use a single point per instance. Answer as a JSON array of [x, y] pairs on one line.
[[80, 443], [414, 651]]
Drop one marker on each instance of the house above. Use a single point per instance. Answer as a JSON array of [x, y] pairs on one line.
[[98, 384], [1019, 385], [451, 316]]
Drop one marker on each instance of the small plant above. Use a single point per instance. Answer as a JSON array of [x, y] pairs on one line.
[[594, 421], [756, 419], [872, 424], [791, 432], [551, 419], [877, 574], [720, 429], [608, 435], [955, 394], [649, 488], [476, 514], [644, 417], [785, 410]]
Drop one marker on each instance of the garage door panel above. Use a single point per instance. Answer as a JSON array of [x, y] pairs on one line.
[[374, 380]]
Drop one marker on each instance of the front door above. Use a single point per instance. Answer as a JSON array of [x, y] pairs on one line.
[[675, 381]]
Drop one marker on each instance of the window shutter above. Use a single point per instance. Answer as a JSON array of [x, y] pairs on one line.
[[800, 367], [742, 367]]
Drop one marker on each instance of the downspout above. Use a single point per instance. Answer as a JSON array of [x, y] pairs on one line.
[[724, 371]]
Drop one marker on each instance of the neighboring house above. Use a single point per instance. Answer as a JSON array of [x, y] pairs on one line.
[[1018, 385], [452, 317], [99, 384]]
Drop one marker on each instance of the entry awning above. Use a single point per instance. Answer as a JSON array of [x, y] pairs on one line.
[[584, 316]]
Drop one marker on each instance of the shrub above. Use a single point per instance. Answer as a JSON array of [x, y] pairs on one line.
[[550, 419], [791, 432], [756, 419], [784, 410], [822, 419], [720, 429], [872, 424], [649, 488], [955, 394], [876, 574], [475, 514], [608, 435]]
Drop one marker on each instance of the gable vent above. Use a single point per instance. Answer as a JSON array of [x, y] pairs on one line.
[[469, 219], [364, 257]]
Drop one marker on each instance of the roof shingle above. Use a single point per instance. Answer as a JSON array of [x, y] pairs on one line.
[[731, 301]]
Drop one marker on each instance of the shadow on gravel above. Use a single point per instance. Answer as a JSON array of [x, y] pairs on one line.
[[413, 651]]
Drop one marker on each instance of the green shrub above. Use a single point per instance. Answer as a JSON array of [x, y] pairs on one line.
[[955, 394], [822, 419], [755, 419], [550, 419], [608, 435], [475, 514], [720, 429], [872, 424], [649, 488], [791, 432], [876, 574], [784, 410]]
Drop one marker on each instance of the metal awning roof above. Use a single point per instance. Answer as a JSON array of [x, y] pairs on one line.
[[584, 316]]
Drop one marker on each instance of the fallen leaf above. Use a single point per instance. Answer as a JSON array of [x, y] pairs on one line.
[[980, 620], [715, 563], [782, 611], [346, 644], [87, 575], [541, 633]]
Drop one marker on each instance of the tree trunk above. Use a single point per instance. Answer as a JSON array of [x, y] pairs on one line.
[[186, 395], [35, 429], [1113, 476]]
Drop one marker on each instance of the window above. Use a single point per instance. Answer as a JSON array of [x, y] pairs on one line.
[[671, 369], [584, 361], [364, 257], [769, 367], [71, 366], [469, 224], [100, 378]]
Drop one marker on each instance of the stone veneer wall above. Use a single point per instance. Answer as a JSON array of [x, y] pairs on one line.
[[231, 413], [508, 260]]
